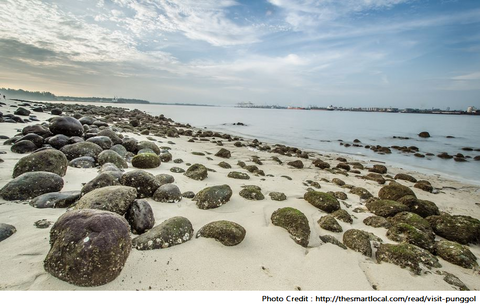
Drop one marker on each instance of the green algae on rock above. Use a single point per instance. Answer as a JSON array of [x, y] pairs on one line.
[[295, 222]]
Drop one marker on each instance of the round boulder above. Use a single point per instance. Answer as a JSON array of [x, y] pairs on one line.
[[48, 160], [144, 182], [24, 146], [394, 191], [30, 185], [459, 228], [386, 208], [359, 241], [456, 253], [167, 193], [146, 160], [213, 197], [81, 149], [100, 181], [226, 232], [103, 141], [140, 216], [252, 192], [173, 231], [295, 222], [110, 156], [197, 172], [66, 125], [322, 201], [6, 231], [329, 223], [114, 198], [164, 178]]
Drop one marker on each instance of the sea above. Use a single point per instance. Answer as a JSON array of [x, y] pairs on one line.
[[324, 131]]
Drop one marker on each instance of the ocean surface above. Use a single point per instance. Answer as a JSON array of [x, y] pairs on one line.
[[321, 131]]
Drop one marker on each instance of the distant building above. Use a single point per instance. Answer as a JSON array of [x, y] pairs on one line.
[[471, 109]]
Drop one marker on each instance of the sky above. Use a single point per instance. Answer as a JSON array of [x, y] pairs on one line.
[[350, 53]]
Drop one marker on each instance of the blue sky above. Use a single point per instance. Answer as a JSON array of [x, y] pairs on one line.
[[405, 53]]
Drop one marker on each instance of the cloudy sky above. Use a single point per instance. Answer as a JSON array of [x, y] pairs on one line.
[[405, 53]]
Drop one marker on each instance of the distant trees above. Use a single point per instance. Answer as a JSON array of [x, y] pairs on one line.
[[22, 94]]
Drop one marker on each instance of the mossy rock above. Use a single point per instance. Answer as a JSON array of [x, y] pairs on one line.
[[329, 223], [115, 199], [197, 172], [100, 181], [332, 240], [146, 160], [147, 144], [407, 256], [252, 192], [164, 178], [296, 164], [30, 185], [110, 156], [375, 177], [177, 170], [343, 216], [362, 192], [295, 222], [412, 219], [322, 201], [225, 165], [145, 183], [81, 149], [386, 208], [421, 207], [174, 231], [394, 191], [223, 153], [405, 233], [377, 221], [48, 160], [238, 175], [226, 232], [459, 228], [277, 196], [213, 197], [338, 181], [456, 253], [424, 185], [405, 177], [359, 241], [167, 193], [165, 157]]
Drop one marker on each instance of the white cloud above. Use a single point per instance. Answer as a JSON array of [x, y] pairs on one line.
[[472, 76]]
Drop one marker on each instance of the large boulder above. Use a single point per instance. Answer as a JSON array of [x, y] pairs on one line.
[[55, 200], [295, 222], [40, 130], [66, 125], [30, 185], [167, 193], [359, 241], [421, 207], [386, 208], [407, 256], [103, 141], [456, 253], [58, 141], [394, 191], [115, 199], [110, 156], [22, 147], [48, 160], [406, 233], [173, 231], [88, 247], [112, 135], [322, 201], [213, 197], [459, 228], [147, 144], [6, 231], [81, 149], [146, 160], [34, 138], [197, 172], [145, 183], [140, 216], [100, 181], [226, 232]]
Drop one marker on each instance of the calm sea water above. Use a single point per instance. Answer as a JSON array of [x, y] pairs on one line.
[[321, 130]]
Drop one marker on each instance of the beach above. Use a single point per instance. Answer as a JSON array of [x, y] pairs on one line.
[[267, 258]]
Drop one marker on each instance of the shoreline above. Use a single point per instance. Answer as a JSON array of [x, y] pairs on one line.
[[267, 259]]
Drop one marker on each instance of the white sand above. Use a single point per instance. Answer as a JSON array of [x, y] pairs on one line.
[[268, 259]]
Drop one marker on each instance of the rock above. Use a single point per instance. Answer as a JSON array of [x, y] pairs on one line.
[[454, 281], [362, 192], [197, 172], [296, 164], [295, 222], [102, 141], [140, 216], [181, 161], [56, 111], [171, 232], [456, 253], [114, 198], [278, 196], [238, 175], [88, 247], [329, 223], [145, 183], [147, 144], [22, 112], [421, 207], [146, 160], [83, 162], [177, 170], [359, 241], [120, 149], [331, 239], [226, 232], [42, 224], [55, 200], [413, 219], [166, 157], [424, 134], [386, 208], [48, 160], [6, 231], [223, 153], [213, 197], [405, 233], [58, 141], [86, 120], [375, 177], [252, 192], [405, 177], [167, 193], [424, 185], [188, 194], [34, 138], [40, 130], [377, 221], [100, 181], [342, 215], [394, 191], [81, 149], [164, 178], [65, 125], [322, 201], [344, 166], [110, 156], [321, 164], [224, 164], [338, 181], [378, 168], [407, 255], [338, 195], [459, 228], [112, 135], [30, 185], [24, 146]]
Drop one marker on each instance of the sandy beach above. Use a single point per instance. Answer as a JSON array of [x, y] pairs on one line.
[[267, 258]]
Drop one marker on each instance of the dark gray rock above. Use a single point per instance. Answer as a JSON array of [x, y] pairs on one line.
[[226, 232], [197, 172], [86, 120], [24, 146], [150, 145], [359, 241], [34, 138], [81, 149], [145, 183], [66, 125], [225, 165], [277, 196], [167, 193], [55, 200], [40, 130], [112, 135], [238, 175], [140, 216], [120, 149], [331, 239], [164, 178], [6, 231], [58, 141], [295, 222], [114, 198], [30, 185], [252, 192], [459, 228], [166, 157], [223, 153], [100, 181], [88, 247], [103, 141], [83, 162], [22, 112], [110, 156], [296, 164], [173, 231], [48, 160], [42, 224], [213, 197]]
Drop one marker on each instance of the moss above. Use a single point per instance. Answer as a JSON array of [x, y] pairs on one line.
[[407, 255], [146, 160], [322, 201], [252, 192], [295, 222], [226, 232]]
